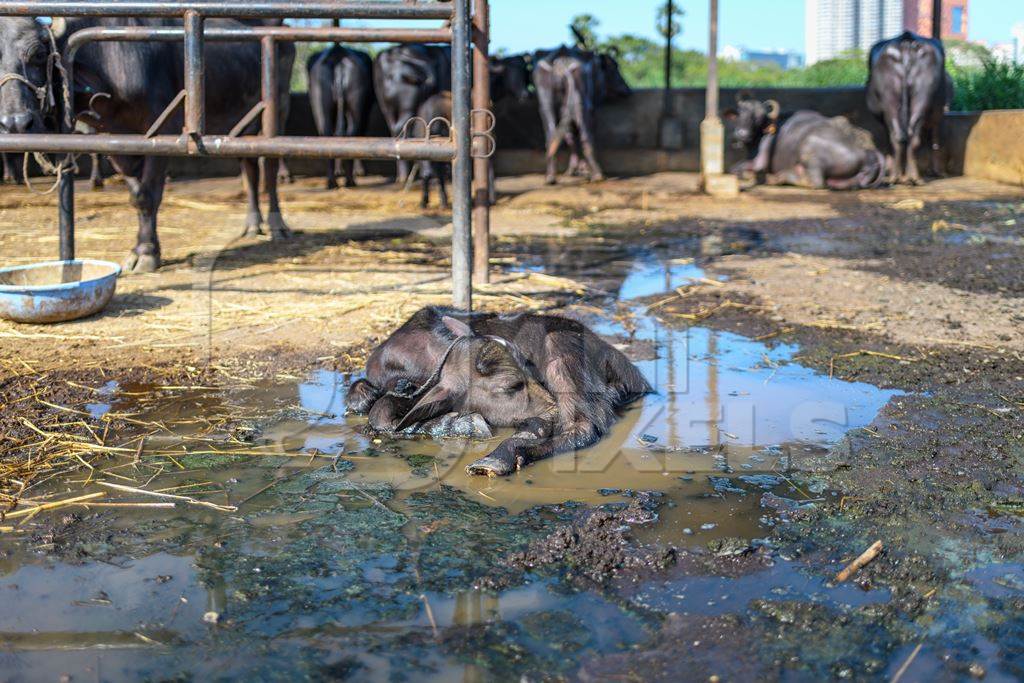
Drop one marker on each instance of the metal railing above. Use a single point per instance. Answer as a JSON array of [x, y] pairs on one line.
[[470, 91]]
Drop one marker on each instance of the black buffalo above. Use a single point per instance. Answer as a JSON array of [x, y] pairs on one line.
[[804, 148], [141, 79], [509, 78], [341, 95], [406, 76], [571, 83], [909, 90], [552, 379]]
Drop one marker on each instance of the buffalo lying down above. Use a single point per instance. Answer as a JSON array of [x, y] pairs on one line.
[[553, 380], [805, 148]]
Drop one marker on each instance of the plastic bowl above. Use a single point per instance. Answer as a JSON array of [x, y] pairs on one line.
[[56, 291]]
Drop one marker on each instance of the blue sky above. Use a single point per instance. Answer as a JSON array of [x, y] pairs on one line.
[[520, 25]]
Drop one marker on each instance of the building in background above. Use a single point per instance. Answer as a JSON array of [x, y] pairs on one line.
[[784, 59], [837, 27], [917, 17]]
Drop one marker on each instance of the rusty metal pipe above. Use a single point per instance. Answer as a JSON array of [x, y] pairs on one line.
[[462, 171], [171, 34], [256, 9], [269, 82], [438, 150], [481, 164], [195, 76]]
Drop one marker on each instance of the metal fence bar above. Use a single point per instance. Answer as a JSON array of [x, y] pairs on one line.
[[439, 150], [462, 173], [313, 34], [481, 161], [469, 198], [243, 9], [195, 76]]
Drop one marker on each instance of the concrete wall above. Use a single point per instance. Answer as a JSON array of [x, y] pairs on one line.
[[988, 145]]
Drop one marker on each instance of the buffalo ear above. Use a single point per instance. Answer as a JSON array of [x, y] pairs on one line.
[[730, 114], [491, 356], [435, 402], [457, 327]]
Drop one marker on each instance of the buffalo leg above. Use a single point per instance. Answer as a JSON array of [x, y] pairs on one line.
[[442, 190], [526, 447], [587, 141], [12, 168], [96, 173], [361, 396], [547, 114], [147, 193], [251, 181], [278, 228], [913, 175], [428, 175]]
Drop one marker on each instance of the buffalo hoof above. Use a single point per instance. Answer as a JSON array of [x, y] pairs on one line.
[[497, 464], [253, 225], [597, 177], [550, 180], [332, 184], [279, 230], [350, 183], [97, 185], [140, 263]]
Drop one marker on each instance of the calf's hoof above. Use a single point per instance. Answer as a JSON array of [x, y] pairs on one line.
[[332, 184], [550, 180], [141, 263], [500, 463], [279, 230]]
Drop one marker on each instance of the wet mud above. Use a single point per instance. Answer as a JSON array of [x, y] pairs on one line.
[[700, 539]]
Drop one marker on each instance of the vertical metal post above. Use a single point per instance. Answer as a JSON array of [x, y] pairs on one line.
[[667, 105], [270, 86], [66, 199], [712, 90], [66, 189], [937, 19], [195, 75], [712, 133], [462, 175], [481, 165]]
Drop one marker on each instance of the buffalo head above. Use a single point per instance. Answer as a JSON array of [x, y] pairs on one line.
[[510, 77], [610, 75], [751, 118], [482, 375], [27, 90]]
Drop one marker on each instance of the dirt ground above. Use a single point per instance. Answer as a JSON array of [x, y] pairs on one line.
[[911, 289], [892, 262]]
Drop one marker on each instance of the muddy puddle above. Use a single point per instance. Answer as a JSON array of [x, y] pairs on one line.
[[330, 553]]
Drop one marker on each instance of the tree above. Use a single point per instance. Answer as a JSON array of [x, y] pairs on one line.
[[675, 28], [584, 29]]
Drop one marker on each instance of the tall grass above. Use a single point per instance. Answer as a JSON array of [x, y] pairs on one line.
[[995, 85]]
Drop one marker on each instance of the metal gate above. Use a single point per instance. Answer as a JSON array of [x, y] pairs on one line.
[[470, 98]]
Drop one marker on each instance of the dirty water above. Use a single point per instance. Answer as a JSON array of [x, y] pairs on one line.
[[351, 555]]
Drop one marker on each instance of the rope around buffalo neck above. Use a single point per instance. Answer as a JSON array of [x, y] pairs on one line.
[[47, 103]]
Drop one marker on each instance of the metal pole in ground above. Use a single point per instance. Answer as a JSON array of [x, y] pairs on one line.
[[937, 19], [481, 164], [712, 132], [462, 167], [66, 199], [195, 76]]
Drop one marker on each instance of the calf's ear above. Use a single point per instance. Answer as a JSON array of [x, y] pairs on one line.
[[491, 357], [457, 327], [434, 403]]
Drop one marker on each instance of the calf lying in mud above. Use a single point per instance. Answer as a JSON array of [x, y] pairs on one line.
[[550, 378]]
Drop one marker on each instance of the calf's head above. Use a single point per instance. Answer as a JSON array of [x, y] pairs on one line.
[[751, 118], [27, 92], [482, 375]]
